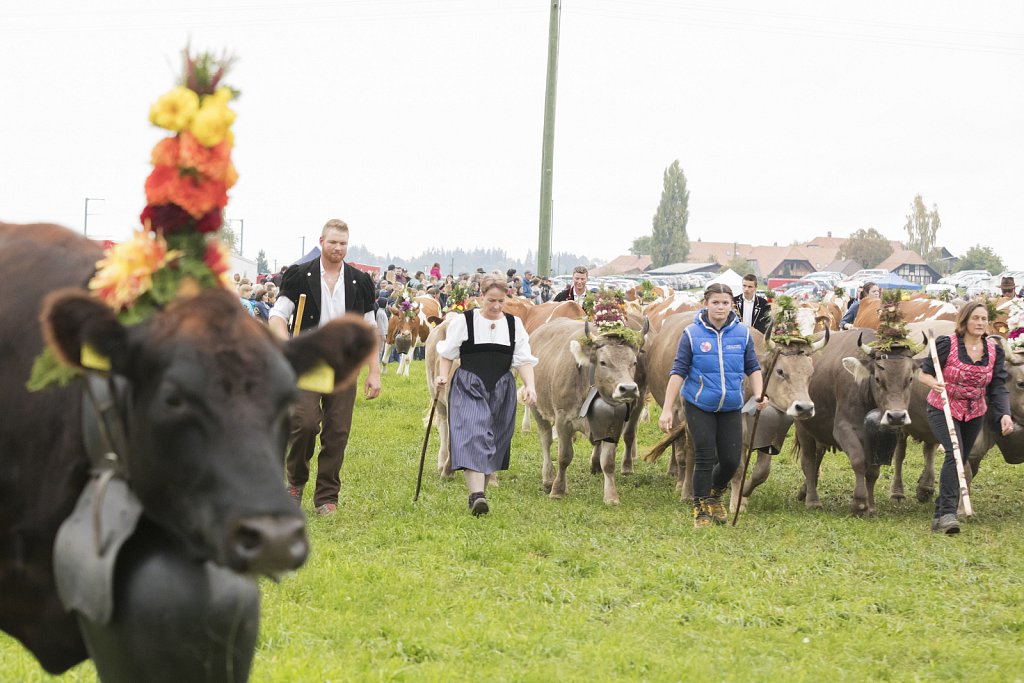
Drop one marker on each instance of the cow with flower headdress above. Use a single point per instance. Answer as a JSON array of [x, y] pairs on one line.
[[145, 423], [412, 318]]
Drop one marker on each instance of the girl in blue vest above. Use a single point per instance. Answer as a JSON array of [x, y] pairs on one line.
[[715, 352], [972, 367]]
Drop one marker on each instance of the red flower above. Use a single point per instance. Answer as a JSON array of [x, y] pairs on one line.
[[166, 185]]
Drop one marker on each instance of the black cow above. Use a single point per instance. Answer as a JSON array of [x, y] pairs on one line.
[[205, 416]]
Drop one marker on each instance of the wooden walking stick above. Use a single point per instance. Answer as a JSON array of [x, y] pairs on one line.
[[753, 430], [426, 438], [965, 494], [298, 315]]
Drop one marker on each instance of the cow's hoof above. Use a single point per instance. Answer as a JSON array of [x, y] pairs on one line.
[[554, 495], [925, 494], [897, 496], [547, 487], [611, 501], [814, 505], [802, 493], [595, 467], [627, 469]]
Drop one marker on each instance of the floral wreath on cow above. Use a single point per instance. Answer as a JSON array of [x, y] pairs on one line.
[[786, 327], [405, 303], [604, 308], [459, 300], [178, 250], [1015, 326], [892, 327]]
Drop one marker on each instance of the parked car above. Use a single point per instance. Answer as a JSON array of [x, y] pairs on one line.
[[866, 274]]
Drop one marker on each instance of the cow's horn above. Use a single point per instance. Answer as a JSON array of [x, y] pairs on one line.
[[924, 338], [768, 343], [866, 348], [820, 344], [586, 329]]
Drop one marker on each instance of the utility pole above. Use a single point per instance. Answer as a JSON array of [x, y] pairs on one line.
[[303, 247], [548, 150], [85, 221]]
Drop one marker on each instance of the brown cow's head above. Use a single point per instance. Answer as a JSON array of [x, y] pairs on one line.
[[403, 330], [207, 417], [1014, 365], [890, 376], [613, 362], [787, 388]]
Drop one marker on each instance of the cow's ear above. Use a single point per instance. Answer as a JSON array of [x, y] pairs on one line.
[[343, 345], [857, 368], [579, 353], [84, 331]]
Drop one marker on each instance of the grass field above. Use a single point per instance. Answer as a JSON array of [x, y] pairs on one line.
[[543, 590]]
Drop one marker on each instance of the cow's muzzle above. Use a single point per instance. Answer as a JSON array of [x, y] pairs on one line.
[[267, 544], [896, 418], [801, 410], [626, 392]]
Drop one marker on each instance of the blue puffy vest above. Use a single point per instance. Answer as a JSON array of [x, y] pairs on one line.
[[715, 383]]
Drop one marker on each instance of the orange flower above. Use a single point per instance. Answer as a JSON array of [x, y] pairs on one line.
[[166, 152], [167, 185], [126, 270], [211, 162], [218, 260]]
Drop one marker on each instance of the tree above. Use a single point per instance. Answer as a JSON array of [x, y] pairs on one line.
[[981, 258], [669, 242], [866, 247], [261, 262], [922, 226], [739, 265], [228, 236], [641, 246]]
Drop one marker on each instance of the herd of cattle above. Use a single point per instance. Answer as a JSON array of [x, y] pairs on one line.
[[168, 467], [831, 391]]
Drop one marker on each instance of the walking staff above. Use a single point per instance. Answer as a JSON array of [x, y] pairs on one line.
[[753, 431], [940, 386]]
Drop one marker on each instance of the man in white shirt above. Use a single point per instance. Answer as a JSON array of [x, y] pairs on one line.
[[332, 288], [578, 290], [752, 307]]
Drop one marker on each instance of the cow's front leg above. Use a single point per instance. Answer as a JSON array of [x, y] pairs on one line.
[[607, 451], [629, 438], [385, 357], [896, 493], [565, 454], [850, 441], [686, 468], [547, 472], [809, 464], [760, 474], [871, 472], [926, 482]]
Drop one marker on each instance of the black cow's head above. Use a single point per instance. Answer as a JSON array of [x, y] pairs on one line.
[[208, 416], [613, 362], [890, 376]]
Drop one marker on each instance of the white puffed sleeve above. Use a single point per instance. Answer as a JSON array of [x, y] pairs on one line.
[[522, 355], [454, 337]]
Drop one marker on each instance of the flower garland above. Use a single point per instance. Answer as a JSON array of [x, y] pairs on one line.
[[1015, 323], [647, 293], [407, 308], [177, 251]]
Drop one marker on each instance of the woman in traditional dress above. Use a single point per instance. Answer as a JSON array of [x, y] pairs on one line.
[[482, 398], [974, 378], [715, 352]]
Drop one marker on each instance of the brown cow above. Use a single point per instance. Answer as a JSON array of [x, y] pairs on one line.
[[408, 329], [679, 302], [915, 310], [201, 394], [565, 375], [552, 310]]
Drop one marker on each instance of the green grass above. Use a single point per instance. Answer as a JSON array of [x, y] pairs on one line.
[[543, 590]]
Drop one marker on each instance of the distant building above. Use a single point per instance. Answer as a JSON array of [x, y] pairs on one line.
[[910, 266], [623, 265]]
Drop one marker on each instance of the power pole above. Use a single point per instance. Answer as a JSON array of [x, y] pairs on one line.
[[548, 152]]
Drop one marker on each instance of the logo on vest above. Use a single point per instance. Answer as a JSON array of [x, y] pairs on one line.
[[705, 346], [732, 347]]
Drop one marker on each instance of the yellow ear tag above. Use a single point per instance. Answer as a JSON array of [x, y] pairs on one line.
[[93, 359], [319, 379]]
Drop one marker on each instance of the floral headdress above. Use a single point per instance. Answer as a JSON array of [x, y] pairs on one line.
[[787, 328], [646, 292], [459, 300], [604, 310], [178, 250], [407, 307], [892, 327], [1015, 325]]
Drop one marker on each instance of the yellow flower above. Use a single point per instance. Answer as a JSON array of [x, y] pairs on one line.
[[175, 109], [213, 121], [126, 271]]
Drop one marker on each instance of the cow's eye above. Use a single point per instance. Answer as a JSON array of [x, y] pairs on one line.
[[603, 364], [779, 372], [174, 400]]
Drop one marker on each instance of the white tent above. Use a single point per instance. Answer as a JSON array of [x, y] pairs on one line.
[[731, 278]]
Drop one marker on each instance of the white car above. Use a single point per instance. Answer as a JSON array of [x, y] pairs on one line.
[[939, 288]]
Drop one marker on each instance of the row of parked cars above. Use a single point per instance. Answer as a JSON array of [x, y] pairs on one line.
[[974, 282]]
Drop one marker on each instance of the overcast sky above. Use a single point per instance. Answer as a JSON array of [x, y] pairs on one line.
[[419, 121]]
